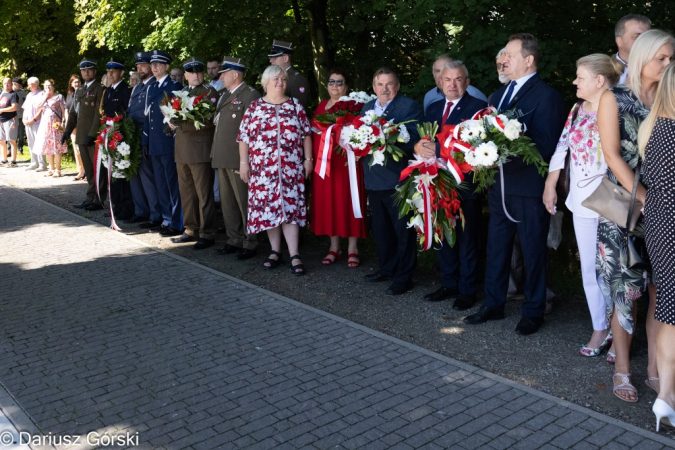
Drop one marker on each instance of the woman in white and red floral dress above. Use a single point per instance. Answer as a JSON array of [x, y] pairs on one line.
[[275, 147]]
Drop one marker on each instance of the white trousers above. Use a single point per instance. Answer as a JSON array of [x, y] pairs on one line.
[[36, 159], [586, 231]]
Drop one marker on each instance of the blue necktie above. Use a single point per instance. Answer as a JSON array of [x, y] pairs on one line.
[[506, 100]]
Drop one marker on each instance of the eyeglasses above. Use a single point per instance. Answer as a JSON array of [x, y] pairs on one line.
[[332, 82], [499, 66]]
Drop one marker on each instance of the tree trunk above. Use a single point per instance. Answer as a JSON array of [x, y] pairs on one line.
[[324, 57]]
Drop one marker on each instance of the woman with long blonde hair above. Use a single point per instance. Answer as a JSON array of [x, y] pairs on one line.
[[620, 113], [656, 141]]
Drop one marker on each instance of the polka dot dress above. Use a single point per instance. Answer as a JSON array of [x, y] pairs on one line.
[[659, 177]]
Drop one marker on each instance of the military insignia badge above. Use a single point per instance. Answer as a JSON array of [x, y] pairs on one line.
[[301, 89], [236, 101]]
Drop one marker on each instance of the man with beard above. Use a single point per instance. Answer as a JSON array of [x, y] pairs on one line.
[[143, 191], [85, 115]]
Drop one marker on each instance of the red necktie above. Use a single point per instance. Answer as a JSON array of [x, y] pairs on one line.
[[448, 105]]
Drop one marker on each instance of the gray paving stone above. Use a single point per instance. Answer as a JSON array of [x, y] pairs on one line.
[[193, 359]]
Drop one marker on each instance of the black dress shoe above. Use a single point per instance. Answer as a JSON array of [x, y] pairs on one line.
[[136, 219], [150, 224], [203, 243], [168, 232], [376, 277], [529, 325], [183, 238], [464, 301], [245, 254], [483, 315], [229, 249], [398, 288], [82, 205], [93, 207], [441, 294]]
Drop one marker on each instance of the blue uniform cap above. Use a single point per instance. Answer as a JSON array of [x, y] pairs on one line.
[[160, 56], [142, 57], [114, 63]]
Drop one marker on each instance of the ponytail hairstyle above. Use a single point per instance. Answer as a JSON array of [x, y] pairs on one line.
[[664, 105], [600, 64]]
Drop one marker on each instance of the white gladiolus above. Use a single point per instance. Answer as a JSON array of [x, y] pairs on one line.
[[404, 135]]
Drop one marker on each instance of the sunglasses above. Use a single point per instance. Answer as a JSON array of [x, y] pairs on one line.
[[332, 82]]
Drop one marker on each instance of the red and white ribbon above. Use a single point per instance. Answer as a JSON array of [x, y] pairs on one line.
[[325, 150], [353, 180], [97, 172]]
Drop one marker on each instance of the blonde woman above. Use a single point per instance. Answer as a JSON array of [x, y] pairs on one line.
[[656, 141], [595, 74], [621, 111]]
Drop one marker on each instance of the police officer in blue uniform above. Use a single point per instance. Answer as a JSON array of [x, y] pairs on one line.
[[157, 142], [114, 102], [143, 191]]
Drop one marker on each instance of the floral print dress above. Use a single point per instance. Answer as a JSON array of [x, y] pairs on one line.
[[276, 189], [620, 285], [50, 132]]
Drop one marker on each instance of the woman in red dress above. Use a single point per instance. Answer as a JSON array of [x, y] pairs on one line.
[[331, 212]]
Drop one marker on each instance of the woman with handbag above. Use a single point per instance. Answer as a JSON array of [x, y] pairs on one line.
[[656, 141], [578, 157], [620, 113]]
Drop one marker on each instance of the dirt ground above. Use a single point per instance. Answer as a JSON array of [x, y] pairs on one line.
[[547, 361]]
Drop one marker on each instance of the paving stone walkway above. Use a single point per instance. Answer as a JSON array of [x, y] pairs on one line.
[[100, 333]]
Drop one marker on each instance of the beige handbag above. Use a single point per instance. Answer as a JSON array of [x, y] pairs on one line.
[[613, 202]]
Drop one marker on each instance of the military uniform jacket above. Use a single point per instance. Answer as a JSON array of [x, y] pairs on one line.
[[85, 112], [136, 109], [115, 100], [229, 112], [154, 137], [298, 87], [192, 145]]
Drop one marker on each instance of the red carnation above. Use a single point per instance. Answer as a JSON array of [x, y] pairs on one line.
[[117, 136], [112, 145]]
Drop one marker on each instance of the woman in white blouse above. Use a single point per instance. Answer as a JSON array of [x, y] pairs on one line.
[[595, 74]]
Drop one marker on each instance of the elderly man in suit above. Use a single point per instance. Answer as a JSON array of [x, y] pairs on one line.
[[193, 163], [157, 143], [297, 86], [225, 158], [115, 102], [437, 94], [395, 242], [143, 191], [459, 263], [85, 114], [540, 108]]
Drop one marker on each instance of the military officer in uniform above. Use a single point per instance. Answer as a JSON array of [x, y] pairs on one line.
[[85, 115], [298, 86], [157, 143], [193, 163], [231, 107], [114, 102], [143, 191]]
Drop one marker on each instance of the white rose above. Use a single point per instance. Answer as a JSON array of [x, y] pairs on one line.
[[512, 130]]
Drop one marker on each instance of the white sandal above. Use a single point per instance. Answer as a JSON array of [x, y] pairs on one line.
[[624, 386]]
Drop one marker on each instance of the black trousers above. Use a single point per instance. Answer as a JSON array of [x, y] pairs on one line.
[[395, 242], [88, 161], [120, 197]]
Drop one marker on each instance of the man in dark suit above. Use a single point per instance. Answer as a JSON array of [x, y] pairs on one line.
[[193, 163], [85, 115], [157, 142], [459, 263], [395, 242], [114, 102], [540, 108], [230, 110], [143, 191]]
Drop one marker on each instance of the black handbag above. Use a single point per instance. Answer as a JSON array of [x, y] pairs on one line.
[[638, 257], [562, 187]]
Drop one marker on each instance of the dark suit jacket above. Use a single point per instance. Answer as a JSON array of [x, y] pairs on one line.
[[115, 101], [465, 108], [401, 109], [541, 109], [85, 112], [153, 128]]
